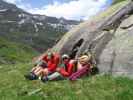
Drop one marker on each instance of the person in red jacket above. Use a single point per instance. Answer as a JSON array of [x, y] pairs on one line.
[[65, 69], [46, 64], [52, 61]]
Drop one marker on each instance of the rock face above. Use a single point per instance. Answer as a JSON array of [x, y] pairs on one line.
[[109, 36], [117, 57]]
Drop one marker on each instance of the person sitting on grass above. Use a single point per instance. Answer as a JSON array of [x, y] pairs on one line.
[[83, 67], [65, 69], [45, 65]]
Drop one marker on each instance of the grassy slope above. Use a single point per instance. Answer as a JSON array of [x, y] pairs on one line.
[[13, 86], [11, 52]]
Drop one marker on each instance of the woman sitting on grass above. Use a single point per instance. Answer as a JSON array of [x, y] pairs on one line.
[[83, 67]]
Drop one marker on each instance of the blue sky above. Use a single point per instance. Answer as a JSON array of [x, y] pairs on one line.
[[40, 3], [69, 9]]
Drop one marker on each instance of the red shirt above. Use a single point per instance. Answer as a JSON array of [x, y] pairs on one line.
[[66, 72], [53, 62]]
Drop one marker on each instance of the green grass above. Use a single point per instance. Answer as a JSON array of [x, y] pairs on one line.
[[11, 52], [13, 86]]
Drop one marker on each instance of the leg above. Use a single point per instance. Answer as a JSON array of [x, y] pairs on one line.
[[33, 69], [79, 73], [33, 75], [54, 76], [38, 71]]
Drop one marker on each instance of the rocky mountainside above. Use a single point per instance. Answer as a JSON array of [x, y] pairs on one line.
[[39, 31], [109, 36]]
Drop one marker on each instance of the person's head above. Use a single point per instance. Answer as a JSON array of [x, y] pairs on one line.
[[65, 58], [84, 59], [50, 55]]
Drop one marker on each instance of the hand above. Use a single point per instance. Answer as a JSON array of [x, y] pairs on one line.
[[34, 59], [58, 69], [45, 71]]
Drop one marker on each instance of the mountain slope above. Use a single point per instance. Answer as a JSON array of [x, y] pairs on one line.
[[37, 31]]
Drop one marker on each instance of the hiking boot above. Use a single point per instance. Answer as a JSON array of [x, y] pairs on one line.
[[44, 79], [31, 76]]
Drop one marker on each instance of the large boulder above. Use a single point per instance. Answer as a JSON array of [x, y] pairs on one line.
[[108, 35], [117, 57]]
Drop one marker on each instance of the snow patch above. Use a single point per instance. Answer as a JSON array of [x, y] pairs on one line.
[[21, 22], [39, 23], [3, 10], [36, 28], [67, 27]]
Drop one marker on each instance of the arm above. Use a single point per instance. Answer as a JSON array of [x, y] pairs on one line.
[[69, 72], [63, 72], [44, 57]]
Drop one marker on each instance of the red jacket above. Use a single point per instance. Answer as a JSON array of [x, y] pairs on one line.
[[66, 72], [53, 62]]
